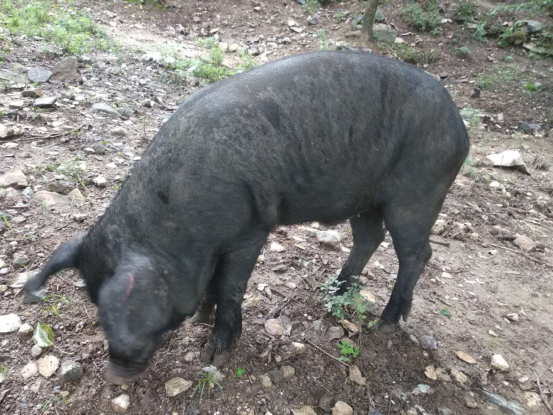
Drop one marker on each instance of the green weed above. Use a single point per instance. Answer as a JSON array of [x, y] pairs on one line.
[[5, 219], [324, 44], [445, 312], [311, 6], [463, 52], [351, 302], [71, 31], [207, 42], [409, 54], [156, 3], [347, 351], [72, 169], [532, 86], [205, 380], [480, 33], [466, 11], [423, 19], [499, 74], [240, 371]]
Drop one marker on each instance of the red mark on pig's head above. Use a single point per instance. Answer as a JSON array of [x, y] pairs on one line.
[[129, 287]]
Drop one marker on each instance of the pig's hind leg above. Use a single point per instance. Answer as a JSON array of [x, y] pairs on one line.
[[204, 312], [230, 280], [368, 233]]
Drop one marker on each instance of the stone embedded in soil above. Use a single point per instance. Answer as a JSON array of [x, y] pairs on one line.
[[36, 351], [14, 178], [335, 333], [45, 102], [525, 243], [430, 372], [445, 411], [120, 404], [470, 402], [76, 194], [32, 93], [512, 316], [17, 104], [499, 363], [288, 372], [104, 108], [342, 408], [298, 348], [279, 269], [466, 357], [304, 410], [48, 365], [459, 376], [25, 330], [51, 199], [356, 376], [100, 182], [30, 370], [118, 132], [266, 381], [277, 247], [9, 323], [422, 389], [428, 343], [191, 356], [176, 386], [510, 407], [67, 70], [39, 74], [274, 327], [275, 375], [20, 259], [348, 325], [329, 238], [368, 296], [71, 371]]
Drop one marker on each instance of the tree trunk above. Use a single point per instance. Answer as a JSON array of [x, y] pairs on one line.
[[368, 18]]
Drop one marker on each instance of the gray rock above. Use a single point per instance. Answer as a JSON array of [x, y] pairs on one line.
[[67, 70], [39, 74], [288, 372], [36, 351], [31, 93], [414, 339], [266, 381], [71, 371], [119, 132], [333, 333], [30, 370], [276, 375], [470, 402], [52, 199], [541, 49], [45, 102], [445, 411], [329, 238], [28, 192], [429, 343], [17, 105], [508, 407], [59, 187], [21, 260], [326, 402], [100, 182], [384, 33], [47, 365], [25, 330], [9, 323], [14, 178], [302, 2], [104, 108], [121, 404], [281, 268], [318, 326], [529, 128], [176, 386], [312, 20], [357, 22], [423, 389], [531, 26]]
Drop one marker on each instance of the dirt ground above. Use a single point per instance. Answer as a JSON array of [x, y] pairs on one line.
[[477, 275]]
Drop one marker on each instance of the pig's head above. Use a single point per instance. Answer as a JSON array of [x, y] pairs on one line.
[[135, 311], [134, 307]]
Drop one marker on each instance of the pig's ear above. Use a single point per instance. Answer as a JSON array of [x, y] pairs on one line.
[[64, 257]]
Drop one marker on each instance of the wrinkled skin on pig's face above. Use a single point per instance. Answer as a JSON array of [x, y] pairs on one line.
[[135, 312]]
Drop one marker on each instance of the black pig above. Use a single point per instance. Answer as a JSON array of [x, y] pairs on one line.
[[324, 136]]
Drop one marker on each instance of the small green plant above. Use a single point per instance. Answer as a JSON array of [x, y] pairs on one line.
[[240, 371], [532, 86], [379, 16], [207, 42], [3, 371], [409, 54], [311, 6], [156, 3], [72, 169], [373, 324], [498, 74], [5, 219], [480, 33], [205, 380], [445, 312], [423, 19], [465, 11], [463, 51], [347, 351], [339, 16], [351, 301], [324, 44], [508, 59]]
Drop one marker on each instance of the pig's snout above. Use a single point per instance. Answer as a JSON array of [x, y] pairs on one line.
[[119, 375]]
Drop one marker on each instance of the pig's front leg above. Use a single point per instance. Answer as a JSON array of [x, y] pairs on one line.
[[231, 277]]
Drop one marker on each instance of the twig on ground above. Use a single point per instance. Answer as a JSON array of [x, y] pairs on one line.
[[433, 241], [543, 397], [328, 354], [537, 261], [33, 136]]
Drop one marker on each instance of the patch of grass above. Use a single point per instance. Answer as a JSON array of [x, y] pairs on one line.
[[311, 6], [463, 52], [466, 11], [72, 31], [473, 115], [347, 351], [207, 42], [156, 3], [409, 54], [72, 169], [480, 33], [4, 371], [379, 16], [205, 380], [239, 372], [532, 86], [508, 59], [5, 219], [423, 19], [324, 44], [511, 36], [529, 8], [339, 16], [499, 74], [351, 302]]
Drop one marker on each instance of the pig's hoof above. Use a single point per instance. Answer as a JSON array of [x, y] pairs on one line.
[[387, 327], [201, 316], [220, 359]]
